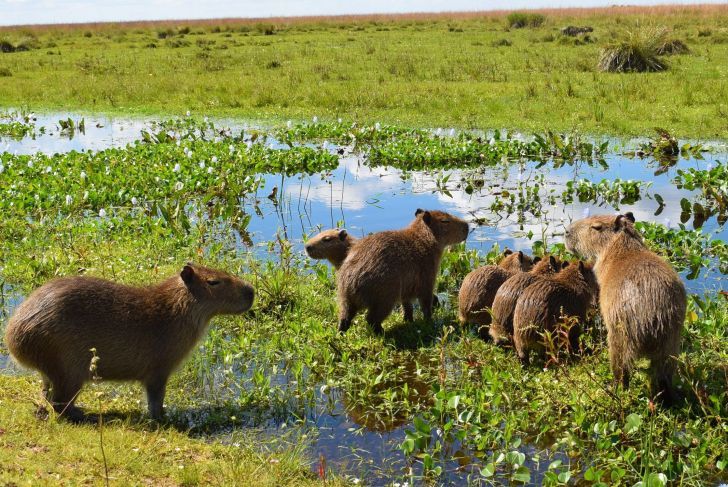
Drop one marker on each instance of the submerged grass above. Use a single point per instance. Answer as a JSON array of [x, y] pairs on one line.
[[419, 71]]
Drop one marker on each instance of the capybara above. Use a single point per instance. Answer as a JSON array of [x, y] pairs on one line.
[[478, 289], [540, 307], [332, 245], [396, 266], [504, 302], [139, 333], [641, 297]]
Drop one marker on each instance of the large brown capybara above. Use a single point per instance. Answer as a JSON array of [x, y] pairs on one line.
[[478, 289], [139, 333], [641, 297], [396, 266], [332, 245], [504, 302], [541, 306]]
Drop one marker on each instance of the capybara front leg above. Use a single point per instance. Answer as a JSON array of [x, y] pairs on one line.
[[409, 311], [156, 389], [346, 316], [63, 394], [426, 305]]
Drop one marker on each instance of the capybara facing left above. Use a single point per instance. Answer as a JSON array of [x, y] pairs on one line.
[[641, 297], [139, 333], [396, 266]]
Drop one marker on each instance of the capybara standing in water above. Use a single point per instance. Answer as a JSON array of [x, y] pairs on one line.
[[139, 333], [332, 245], [478, 289], [396, 266], [641, 297], [504, 303], [541, 306]]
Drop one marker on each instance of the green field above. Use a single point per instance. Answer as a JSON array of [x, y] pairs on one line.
[[467, 71]]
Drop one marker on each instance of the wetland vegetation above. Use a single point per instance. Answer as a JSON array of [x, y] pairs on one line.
[[278, 391]]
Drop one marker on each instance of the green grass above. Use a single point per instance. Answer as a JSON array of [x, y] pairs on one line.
[[419, 72]]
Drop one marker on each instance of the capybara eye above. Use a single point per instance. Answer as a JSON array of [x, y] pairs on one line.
[[445, 221], [597, 227], [326, 239], [213, 282]]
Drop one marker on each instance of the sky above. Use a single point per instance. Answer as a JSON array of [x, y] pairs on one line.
[[13, 12]]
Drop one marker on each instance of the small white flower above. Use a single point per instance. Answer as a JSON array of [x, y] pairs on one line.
[[83, 174], [339, 120], [85, 195], [102, 213], [231, 148], [30, 163], [134, 201], [188, 113], [315, 119], [179, 142], [2, 168], [205, 119], [69, 199], [176, 168], [214, 159], [48, 169], [189, 155], [289, 124], [179, 185], [586, 212], [209, 170], [377, 126], [202, 164]]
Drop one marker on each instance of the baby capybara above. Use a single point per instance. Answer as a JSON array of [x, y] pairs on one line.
[[504, 303], [396, 266], [641, 297], [139, 333], [479, 287], [540, 307], [332, 245]]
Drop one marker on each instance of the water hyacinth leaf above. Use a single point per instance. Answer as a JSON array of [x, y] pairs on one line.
[[632, 424], [488, 470], [522, 474]]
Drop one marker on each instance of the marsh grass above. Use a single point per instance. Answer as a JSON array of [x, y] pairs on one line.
[[639, 53]]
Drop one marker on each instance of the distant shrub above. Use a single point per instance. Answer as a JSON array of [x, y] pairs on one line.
[[5, 72], [6, 46], [705, 33], [273, 64], [178, 43], [672, 46], [164, 34], [501, 43], [183, 30], [151, 45], [573, 31], [638, 53], [266, 29], [519, 20], [88, 34]]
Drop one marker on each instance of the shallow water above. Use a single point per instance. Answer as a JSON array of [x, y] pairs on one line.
[[365, 199]]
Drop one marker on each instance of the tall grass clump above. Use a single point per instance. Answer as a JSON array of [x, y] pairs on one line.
[[638, 53], [672, 46], [519, 20]]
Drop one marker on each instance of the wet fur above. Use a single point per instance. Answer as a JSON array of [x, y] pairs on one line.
[[396, 266], [642, 299], [479, 287], [540, 307], [139, 333], [504, 302]]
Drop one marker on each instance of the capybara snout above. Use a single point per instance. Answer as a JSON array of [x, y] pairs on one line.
[[446, 228], [221, 291]]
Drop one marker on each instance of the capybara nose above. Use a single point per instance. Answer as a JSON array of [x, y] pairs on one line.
[[308, 248]]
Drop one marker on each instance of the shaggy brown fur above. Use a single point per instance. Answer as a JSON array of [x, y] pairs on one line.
[[479, 287], [396, 266], [139, 333], [504, 302], [332, 245], [641, 297], [541, 306]]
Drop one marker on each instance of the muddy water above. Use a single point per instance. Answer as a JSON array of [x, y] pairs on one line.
[[364, 200]]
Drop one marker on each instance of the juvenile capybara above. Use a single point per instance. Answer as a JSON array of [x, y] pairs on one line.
[[332, 245], [504, 302], [641, 297], [396, 266], [139, 333], [540, 307], [478, 289]]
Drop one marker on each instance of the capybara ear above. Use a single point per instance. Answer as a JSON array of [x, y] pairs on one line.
[[581, 266], [426, 217], [564, 264], [621, 221], [418, 211], [630, 216], [520, 256], [536, 260], [342, 234], [187, 273], [507, 252], [552, 262]]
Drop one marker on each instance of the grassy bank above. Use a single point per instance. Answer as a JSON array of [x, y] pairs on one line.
[[459, 70]]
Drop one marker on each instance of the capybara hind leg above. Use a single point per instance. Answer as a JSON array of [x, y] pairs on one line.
[[408, 311], [661, 373], [574, 334], [521, 351], [346, 316], [426, 305], [376, 315], [63, 396], [155, 397]]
